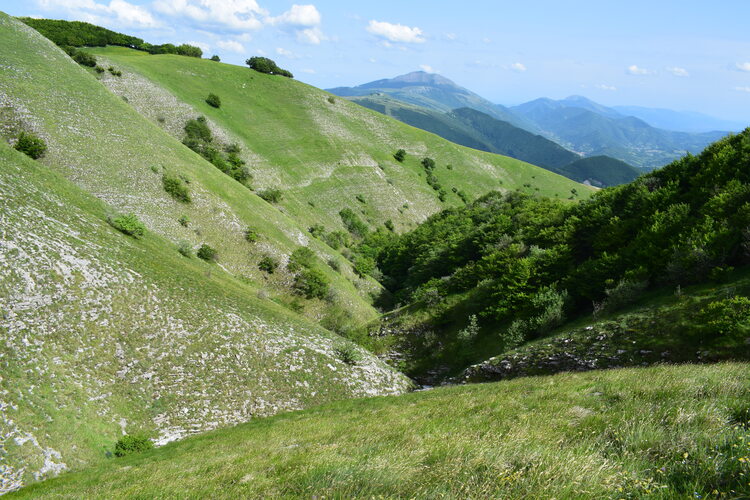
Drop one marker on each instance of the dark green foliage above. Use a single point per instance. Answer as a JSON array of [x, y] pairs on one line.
[[127, 224], [84, 58], [727, 318], [311, 283], [337, 239], [266, 65], [361, 199], [185, 249], [184, 221], [215, 58], [251, 235], [428, 164], [31, 145], [114, 72], [353, 223], [317, 231], [301, 258], [176, 188], [207, 253], [331, 99], [348, 354], [79, 34], [198, 137], [268, 264], [129, 445], [400, 155], [389, 225], [213, 100], [673, 226], [272, 195], [99, 69], [600, 171]]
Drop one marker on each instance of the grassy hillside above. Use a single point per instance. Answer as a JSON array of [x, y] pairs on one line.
[[595, 435], [318, 149], [105, 334], [102, 144]]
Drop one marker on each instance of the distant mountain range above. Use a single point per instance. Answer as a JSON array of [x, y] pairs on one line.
[[682, 121], [576, 123]]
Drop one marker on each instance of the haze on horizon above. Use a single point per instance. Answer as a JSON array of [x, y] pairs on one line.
[[687, 56]]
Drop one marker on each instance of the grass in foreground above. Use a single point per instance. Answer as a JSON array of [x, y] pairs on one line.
[[660, 432]]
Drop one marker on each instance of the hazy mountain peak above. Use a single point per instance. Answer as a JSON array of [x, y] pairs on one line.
[[424, 78]]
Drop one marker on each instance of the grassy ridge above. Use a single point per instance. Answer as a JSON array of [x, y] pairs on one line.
[[595, 435], [328, 151], [105, 334]]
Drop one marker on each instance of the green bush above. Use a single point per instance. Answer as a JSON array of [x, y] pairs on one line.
[[185, 249], [266, 65], [268, 264], [176, 188], [198, 129], [128, 445], [400, 155], [207, 253], [272, 195], [353, 223], [184, 221], [428, 164], [302, 257], [348, 354], [215, 58], [31, 145], [311, 283], [213, 100], [84, 58], [127, 224], [727, 317], [99, 69], [251, 235]]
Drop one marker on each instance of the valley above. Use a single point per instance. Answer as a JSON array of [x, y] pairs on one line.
[[217, 281]]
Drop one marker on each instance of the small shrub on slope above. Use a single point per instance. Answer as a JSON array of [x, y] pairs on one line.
[[272, 195], [268, 264], [31, 145], [127, 224], [311, 283], [128, 445], [176, 188], [213, 100], [399, 155], [207, 253]]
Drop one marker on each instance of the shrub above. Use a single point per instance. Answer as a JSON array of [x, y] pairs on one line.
[[185, 249], [127, 224], [84, 58], [31, 145], [471, 331], [428, 164], [361, 199], [389, 225], [268, 66], [128, 445], [213, 100], [399, 155], [302, 257], [268, 264], [207, 253], [272, 195], [176, 188], [624, 293], [215, 58], [353, 223], [364, 265], [317, 230], [99, 69], [727, 317], [334, 264], [347, 354], [311, 283], [337, 239], [331, 99], [184, 221], [198, 130], [251, 235]]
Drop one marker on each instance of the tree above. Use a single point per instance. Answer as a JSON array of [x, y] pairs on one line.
[[215, 58], [31, 145], [268, 66], [213, 100], [400, 155]]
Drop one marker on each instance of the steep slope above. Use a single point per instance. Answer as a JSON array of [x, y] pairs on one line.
[[321, 151], [103, 145], [600, 171], [586, 127], [595, 435], [104, 334], [436, 93], [683, 121]]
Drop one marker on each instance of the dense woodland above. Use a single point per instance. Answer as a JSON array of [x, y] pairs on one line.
[[527, 262]]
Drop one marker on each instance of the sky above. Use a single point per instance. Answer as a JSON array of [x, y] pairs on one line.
[[685, 55]]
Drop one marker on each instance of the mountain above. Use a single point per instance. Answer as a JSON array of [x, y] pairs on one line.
[[683, 121], [600, 171], [474, 129], [593, 130], [433, 92]]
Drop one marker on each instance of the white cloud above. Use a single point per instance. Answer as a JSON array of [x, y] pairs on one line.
[[743, 66], [309, 71], [602, 86], [231, 46], [286, 53], [742, 89], [635, 70], [517, 66], [677, 71], [372, 60], [450, 36], [234, 15], [201, 45], [486, 40], [427, 68], [396, 32], [304, 21], [116, 12]]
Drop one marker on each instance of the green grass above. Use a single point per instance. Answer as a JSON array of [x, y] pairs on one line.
[[662, 432], [326, 152]]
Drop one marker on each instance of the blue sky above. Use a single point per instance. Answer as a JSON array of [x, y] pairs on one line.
[[684, 55]]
